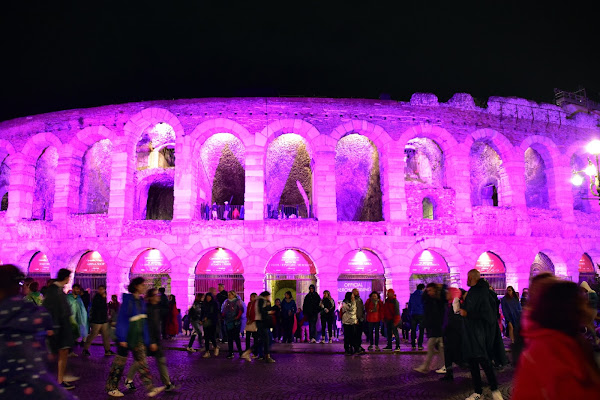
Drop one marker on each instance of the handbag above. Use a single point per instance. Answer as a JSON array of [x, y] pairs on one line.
[[251, 327]]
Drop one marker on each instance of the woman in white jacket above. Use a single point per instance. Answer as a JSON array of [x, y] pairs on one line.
[[349, 321]]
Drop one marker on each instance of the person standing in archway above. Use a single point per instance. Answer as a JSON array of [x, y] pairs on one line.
[[311, 308], [288, 315], [416, 309], [327, 316]]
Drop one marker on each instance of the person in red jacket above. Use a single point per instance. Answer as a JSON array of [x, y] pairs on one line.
[[374, 311], [556, 363], [391, 317]]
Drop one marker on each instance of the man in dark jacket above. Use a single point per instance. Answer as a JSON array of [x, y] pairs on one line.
[[479, 320], [434, 305], [415, 307], [221, 298], [58, 307], [164, 312], [360, 316], [99, 323], [155, 348], [311, 308]]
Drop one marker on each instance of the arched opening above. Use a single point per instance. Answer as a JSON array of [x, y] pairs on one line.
[[492, 269], [43, 194], [587, 272], [536, 182], [90, 272], [357, 179], [161, 197], [39, 268], [541, 263], [289, 178], [361, 269], [291, 270], [94, 188], [4, 181], [428, 266], [487, 175], [428, 209], [220, 266], [424, 163], [581, 193], [154, 267], [223, 158], [156, 147]]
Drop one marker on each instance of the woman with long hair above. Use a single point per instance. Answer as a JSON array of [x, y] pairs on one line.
[[557, 362], [511, 309], [209, 316], [288, 315], [374, 310], [172, 322], [327, 316], [349, 321]]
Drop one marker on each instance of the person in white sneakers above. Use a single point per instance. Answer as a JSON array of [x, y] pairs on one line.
[[480, 318]]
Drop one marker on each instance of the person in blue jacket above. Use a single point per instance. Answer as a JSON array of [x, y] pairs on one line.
[[416, 310], [132, 335]]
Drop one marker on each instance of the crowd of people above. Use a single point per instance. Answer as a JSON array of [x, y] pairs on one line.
[[552, 331]]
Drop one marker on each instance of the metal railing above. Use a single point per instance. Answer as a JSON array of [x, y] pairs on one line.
[[578, 98], [221, 212], [298, 211]]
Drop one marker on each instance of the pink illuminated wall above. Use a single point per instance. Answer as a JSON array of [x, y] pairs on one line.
[[151, 261], [91, 263], [361, 262], [428, 262], [219, 261], [291, 261]]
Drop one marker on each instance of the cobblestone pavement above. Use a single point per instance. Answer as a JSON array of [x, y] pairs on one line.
[[294, 376]]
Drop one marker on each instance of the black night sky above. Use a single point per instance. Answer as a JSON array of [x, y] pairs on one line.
[[58, 56]]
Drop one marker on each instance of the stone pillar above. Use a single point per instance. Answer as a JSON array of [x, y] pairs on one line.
[[327, 279], [393, 165], [254, 198], [186, 183], [68, 180], [21, 188], [179, 285], [458, 177], [324, 195], [122, 185], [561, 191]]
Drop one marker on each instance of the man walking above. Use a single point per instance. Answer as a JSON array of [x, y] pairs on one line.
[[360, 316], [415, 307], [78, 310], [311, 308], [479, 320], [99, 323], [434, 301], [391, 317], [55, 301]]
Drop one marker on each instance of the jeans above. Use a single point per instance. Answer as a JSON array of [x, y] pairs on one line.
[[197, 331], [350, 338], [288, 327], [414, 321], [373, 326], [118, 365], [312, 326], [99, 328], [253, 336], [326, 321], [233, 334], [264, 339], [161, 362], [210, 335], [392, 330], [432, 342], [474, 364]]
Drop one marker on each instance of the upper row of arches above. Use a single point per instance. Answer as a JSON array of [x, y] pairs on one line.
[[225, 151]]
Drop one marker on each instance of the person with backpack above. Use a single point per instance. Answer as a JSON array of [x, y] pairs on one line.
[[391, 317], [232, 320], [194, 316], [264, 322]]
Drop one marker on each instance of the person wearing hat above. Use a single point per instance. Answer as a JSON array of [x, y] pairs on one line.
[[391, 317], [30, 323], [311, 308]]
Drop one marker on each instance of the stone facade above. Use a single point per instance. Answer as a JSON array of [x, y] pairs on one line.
[[462, 229]]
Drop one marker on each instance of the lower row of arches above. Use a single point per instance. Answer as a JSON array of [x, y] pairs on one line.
[[294, 270]]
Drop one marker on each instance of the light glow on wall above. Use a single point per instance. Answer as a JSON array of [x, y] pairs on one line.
[[429, 262], [151, 261], [219, 261], [91, 263], [39, 264], [586, 265], [361, 262], [489, 263], [291, 261]]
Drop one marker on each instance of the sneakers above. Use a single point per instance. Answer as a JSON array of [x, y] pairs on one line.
[[421, 370], [330, 341], [70, 378], [413, 348], [170, 387], [347, 353], [246, 355], [441, 370], [313, 341], [420, 348], [270, 360], [206, 355], [216, 351], [397, 349], [130, 386], [155, 391], [230, 356], [377, 348], [84, 352], [474, 396], [67, 386], [370, 348], [322, 341], [496, 395], [190, 350], [109, 353], [116, 393], [387, 348], [73, 354]]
